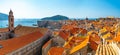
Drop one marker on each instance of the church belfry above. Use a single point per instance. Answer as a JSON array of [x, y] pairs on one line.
[[11, 21]]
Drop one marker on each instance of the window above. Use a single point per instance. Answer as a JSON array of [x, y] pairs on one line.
[[79, 53], [89, 54], [55, 44], [11, 19], [12, 24]]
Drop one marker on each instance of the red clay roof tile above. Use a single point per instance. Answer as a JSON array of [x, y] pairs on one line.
[[18, 42], [56, 51], [4, 29]]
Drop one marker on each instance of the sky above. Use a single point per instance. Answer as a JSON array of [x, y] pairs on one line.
[[69, 8]]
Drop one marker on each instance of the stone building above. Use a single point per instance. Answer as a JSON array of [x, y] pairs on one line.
[[28, 44], [58, 41], [11, 21], [46, 47], [50, 24], [6, 33]]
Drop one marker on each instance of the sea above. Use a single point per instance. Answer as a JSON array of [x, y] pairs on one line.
[[26, 22], [23, 22]]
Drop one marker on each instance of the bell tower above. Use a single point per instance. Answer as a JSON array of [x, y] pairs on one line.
[[11, 21]]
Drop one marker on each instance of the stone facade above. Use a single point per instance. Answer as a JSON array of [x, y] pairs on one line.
[[4, 36], [58, 41], [46, 49], [7, 34], [11, 21], [51, 24]]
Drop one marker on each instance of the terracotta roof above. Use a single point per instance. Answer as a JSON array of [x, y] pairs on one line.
[[4, 29], [94, 41], [64, 34], [74, 41], [22, 30], [93, 45], [79, 46], [103, 30], [107, 35], [74, 30], [56, 51], [83, 31], [117, 39], [18, 42], [67, 27], [74, 23]]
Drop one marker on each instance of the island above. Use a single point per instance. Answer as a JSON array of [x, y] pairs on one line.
[[56, 17], [3, 16]]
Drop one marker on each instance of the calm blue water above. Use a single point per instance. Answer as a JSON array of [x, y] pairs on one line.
[[24, 22]]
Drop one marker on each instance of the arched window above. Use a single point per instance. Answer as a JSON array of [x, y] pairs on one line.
[[11, 19], [12, 25]]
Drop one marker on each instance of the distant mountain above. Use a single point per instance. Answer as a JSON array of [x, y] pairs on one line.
[[3, 16], [56, 17]]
